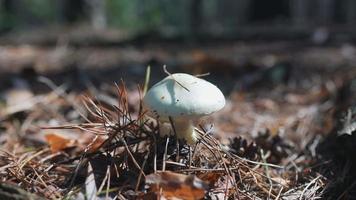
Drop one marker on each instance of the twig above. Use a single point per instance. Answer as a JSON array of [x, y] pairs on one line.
[[166, 71], [202, 75], [133, 158], [279, 193], [140, 175], [165, 155], [306, 188], [264, 159]]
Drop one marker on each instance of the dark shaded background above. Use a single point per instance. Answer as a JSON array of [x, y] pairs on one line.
[[194, 35], [273, 60], [195, 18]]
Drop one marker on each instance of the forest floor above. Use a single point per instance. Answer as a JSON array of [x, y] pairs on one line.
[[68, 131]]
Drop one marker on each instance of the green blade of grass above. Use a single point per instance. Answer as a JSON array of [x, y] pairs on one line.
[[147, 79]]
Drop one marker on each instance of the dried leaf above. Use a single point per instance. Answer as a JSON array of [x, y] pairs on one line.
[[176, 186], [210, 177], [58, 142], [19, 100]]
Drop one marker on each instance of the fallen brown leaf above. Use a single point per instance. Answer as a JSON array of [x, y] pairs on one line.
[[58, 142], [210, 177], [172, 185]]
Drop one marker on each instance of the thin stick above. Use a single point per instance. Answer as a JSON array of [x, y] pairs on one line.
[[190, 157], [306, 188], [167, 72], [165, 155], [133, 158], [104, 180], [155, 154], [140, 176], [279, 193], [201, 75], [175, 133], [264, 159], [108, 185]]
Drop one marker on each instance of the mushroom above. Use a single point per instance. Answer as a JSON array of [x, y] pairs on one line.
[[183, 98]]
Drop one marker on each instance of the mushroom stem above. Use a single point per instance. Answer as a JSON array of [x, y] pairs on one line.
[[185, 130]]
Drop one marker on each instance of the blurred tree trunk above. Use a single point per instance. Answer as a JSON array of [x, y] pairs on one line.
[[195, 17], [69, 11], [97, 13], [242, 11], [15, 9], [326, 11], [300, 12], [350, 11], [9, 5], [233, 14]]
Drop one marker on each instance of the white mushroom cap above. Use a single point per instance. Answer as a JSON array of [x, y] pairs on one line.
[[183, 96]]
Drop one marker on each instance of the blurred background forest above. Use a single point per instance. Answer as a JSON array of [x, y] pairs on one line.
[[62, 34], [286, 67], [185, 18]]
